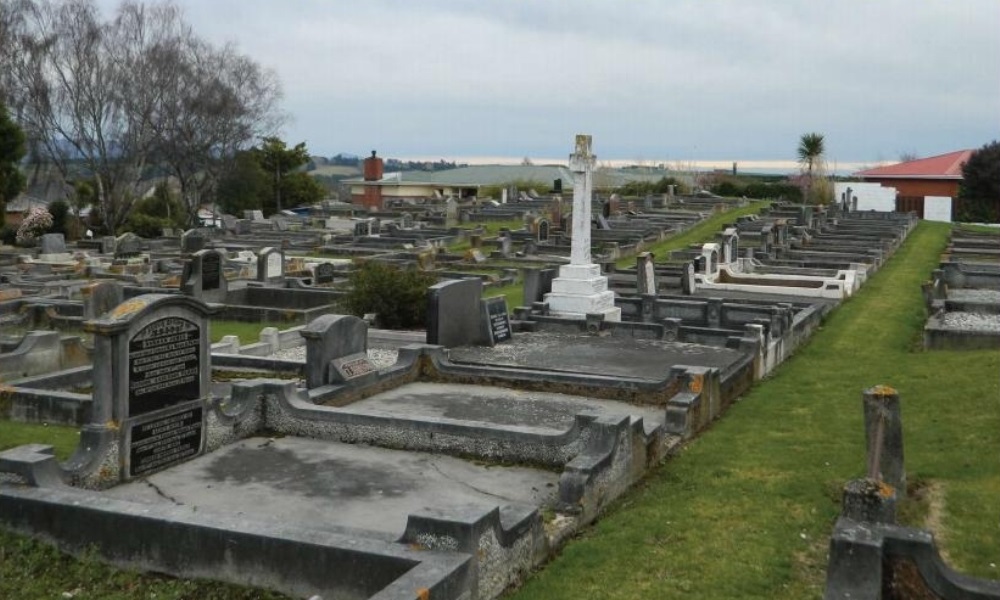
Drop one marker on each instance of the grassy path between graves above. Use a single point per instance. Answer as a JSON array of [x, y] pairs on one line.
[[746, 510]]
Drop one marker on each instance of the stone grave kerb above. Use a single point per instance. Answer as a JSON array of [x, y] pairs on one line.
[[151, 363]]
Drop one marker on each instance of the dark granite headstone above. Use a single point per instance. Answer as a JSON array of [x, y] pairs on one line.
[[543, 230], [496, 321], [453, 312], [324, 273], [211, 271]]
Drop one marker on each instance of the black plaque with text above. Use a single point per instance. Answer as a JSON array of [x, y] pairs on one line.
[[164, 365], [165, 441], [211, 271], [497, 319]]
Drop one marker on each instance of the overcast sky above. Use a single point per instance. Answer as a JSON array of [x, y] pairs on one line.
[[650, 80]]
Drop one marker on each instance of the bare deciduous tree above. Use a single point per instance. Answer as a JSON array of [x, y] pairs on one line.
[[116, 97]]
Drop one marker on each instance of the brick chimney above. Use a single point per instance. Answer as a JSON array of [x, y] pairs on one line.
[[372, 170]]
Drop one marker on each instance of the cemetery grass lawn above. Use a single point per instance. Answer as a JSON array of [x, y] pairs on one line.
[[702, 232], [31, 570], [247, 332], [746, 510], [62, 437]]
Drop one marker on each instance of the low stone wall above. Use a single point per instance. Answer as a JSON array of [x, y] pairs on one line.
[[877, 560]]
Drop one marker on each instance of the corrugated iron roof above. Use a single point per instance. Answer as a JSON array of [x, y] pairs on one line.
[[944, 166]]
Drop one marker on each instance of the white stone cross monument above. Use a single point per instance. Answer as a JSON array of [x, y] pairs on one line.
[[580, 289]]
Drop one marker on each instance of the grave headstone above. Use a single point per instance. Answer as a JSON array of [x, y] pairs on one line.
[[505, 244], [687, 279], [243, 227], [151, 377], [323, 273], [496, 321], [257, 215], [645, 273], [204, 278], [453, 312], [53, 243], [229, 223], [128, 245], [270, 265], [451, 212], [100, 297], [107, 244], [279, 223], [537, 283], [192, 241], [543, 230], [337, 351]]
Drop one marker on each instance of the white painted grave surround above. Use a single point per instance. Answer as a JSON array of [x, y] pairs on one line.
[[937, 208], [580, 289]]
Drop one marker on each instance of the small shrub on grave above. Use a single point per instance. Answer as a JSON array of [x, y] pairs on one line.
[[398, 297]]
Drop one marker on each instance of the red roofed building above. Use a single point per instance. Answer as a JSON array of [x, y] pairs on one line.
[[916, 179]]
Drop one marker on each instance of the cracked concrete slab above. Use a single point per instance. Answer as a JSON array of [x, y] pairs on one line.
[[338, 486]]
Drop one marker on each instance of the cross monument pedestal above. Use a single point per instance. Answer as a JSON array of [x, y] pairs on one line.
[[580, 289]]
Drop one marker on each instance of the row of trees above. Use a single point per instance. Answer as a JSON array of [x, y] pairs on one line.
[[110, 101]]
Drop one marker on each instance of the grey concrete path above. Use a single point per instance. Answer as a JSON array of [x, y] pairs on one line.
[[622, 357], [338, 486], [494, 406]]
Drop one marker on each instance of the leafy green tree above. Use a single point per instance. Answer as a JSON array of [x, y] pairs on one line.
[[151, 215], [59, 209], [278, 161], [244, 186], [301, 189], [397, 297], [980, 189], [11, 152], [811, 152]]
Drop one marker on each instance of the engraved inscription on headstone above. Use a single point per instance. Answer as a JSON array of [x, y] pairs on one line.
[[497, 320], [211, 271], [163, 365], [352, 367], [165, 441]]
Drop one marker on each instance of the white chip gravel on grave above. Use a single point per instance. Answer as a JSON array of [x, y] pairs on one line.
[[351, 486], [975, 295], [380, 357], [967, 321]]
